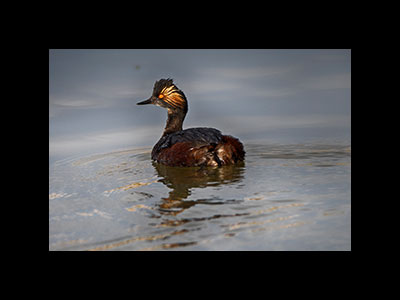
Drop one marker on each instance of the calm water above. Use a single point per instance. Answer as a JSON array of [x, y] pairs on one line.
[[283, 197], [290, 108]]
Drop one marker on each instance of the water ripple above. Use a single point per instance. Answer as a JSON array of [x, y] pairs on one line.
[[290, 197]]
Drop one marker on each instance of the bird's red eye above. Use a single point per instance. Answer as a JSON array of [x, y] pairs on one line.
[[161, 96]]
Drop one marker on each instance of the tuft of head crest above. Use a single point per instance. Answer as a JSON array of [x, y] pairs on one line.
[[167, 91], [162, 84]]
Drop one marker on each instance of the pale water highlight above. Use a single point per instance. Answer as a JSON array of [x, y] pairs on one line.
[[283, 197]]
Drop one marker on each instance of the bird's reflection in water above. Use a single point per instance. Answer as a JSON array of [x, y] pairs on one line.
[[181, 180]]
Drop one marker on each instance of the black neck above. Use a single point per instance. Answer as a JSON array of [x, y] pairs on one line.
[[174, 121]]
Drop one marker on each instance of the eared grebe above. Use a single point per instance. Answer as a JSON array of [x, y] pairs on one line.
[[190, 147]]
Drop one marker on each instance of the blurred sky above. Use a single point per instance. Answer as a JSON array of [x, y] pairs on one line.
[[256, 95]]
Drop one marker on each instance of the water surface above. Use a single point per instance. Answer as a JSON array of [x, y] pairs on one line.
[[290, 107], [283, 197]]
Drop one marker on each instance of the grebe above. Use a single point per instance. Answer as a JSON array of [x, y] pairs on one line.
[[190, 147]]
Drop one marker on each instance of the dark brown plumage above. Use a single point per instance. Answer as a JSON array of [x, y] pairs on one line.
[[190, 147]]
